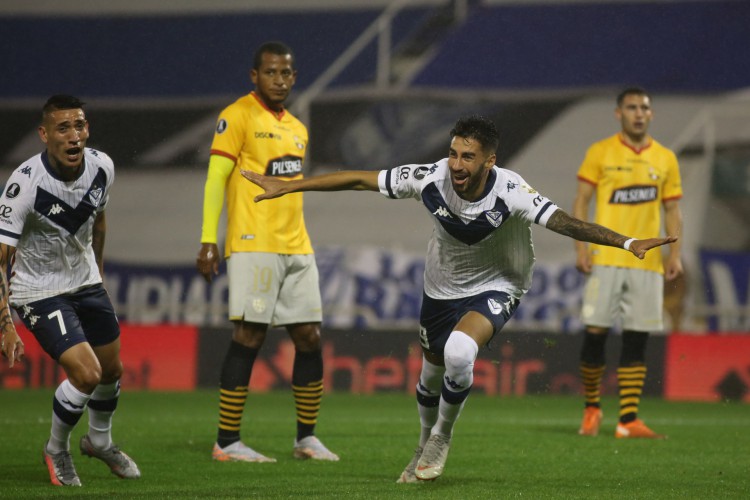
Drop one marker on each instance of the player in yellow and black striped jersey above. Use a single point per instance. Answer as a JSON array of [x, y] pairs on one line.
[[273, 279], [631, 177]]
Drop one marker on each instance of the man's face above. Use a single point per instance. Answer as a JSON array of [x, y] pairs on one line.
[[635, 115], [65, 133], [469, 166], [274, 79]]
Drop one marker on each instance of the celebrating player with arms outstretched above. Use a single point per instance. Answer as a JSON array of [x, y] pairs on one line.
[[479, 263]]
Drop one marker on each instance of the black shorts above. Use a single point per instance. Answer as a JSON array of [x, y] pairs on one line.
[[438, 318], [60, 322]]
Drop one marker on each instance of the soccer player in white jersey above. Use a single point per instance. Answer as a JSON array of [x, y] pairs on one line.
[[52, 229], [479, 263]]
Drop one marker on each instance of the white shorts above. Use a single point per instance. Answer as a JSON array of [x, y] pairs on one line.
[[273, 289], [634, 295]]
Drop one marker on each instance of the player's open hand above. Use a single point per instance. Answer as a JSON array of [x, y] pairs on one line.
[[273, 187], [12, 347], [640, 247]]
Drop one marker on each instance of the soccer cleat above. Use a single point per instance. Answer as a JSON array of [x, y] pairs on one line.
[[311, 447], [592, 419], [432, 462], [118, 462], [636, 429], [239, 452], [408, 475], [62, 472]]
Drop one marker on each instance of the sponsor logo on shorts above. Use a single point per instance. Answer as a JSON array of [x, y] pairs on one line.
[[495, 306], [423, 338], [259, 305]]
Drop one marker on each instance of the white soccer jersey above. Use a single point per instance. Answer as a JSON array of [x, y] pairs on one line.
[[475, 246], [50, 222]]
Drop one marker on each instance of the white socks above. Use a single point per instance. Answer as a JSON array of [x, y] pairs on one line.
[[100, 420], [459, 354], [67, 409]]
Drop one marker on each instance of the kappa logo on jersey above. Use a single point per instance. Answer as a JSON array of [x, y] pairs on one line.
[[511, 186], [495, 217], [26, 170], [633, 195], [286, 166], [12, 191], [442, 212], [95, 195], [55, 209], [221, 126]]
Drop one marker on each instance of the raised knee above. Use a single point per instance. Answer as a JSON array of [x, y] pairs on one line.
[[460, 353]]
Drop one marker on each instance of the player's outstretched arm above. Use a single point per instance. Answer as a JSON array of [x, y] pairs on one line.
[[344, 180], [561, 222]]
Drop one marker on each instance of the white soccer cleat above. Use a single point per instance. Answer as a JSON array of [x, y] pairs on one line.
[[62, 472], [432, 462], [311, 447], [118, 462], [408, 475], [239, 452]]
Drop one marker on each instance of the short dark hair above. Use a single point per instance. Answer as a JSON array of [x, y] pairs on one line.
[[61, 101], [631, 91], [479, 128], [277, 48]]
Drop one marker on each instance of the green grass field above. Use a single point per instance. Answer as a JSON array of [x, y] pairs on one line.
[[503, 448]]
